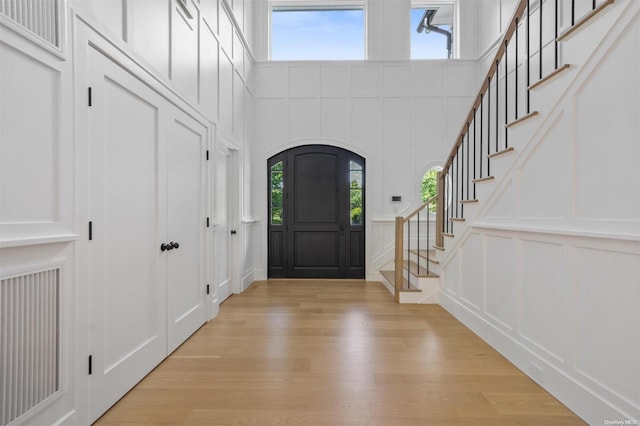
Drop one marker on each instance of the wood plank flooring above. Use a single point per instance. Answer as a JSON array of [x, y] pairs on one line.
[[319, 352]]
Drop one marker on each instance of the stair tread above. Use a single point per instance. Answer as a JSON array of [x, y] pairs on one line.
[[503, 152], [550, 76], [484, 179], [584, 20], [426, 254], [391, 277], [417, 270], [522, 119]]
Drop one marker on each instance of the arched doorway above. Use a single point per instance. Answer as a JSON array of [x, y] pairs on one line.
[[316, 213]]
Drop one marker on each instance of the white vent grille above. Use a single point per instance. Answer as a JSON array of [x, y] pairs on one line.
[[38, 16], [29, 341]]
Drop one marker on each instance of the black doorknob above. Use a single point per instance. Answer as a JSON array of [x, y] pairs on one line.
[[233, 232], [174, 245], [164, 247]]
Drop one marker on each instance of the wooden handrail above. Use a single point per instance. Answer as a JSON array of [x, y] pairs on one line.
[[416, 211], [485, 83]]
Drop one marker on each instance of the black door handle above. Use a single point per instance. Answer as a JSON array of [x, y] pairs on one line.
[[166, 247], [233, 232], [342, 227]]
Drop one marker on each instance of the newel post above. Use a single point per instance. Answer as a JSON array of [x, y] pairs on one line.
[[399, 256], [440, 211]]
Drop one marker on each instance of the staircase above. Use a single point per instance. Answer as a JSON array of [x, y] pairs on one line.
[[537, 247], [415, 279], [419, 283], [518, 91]]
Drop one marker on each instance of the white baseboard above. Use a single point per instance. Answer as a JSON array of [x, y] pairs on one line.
[[68, 419], [247, 279]]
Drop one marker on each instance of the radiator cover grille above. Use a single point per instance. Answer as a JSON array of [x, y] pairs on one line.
[[29, 341], [41, 17]]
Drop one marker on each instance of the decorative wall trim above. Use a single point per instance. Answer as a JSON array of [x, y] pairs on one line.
[[569, 232], [49, 239]]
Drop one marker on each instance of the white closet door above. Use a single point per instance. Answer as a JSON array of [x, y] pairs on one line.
[[127, 312], [185, 226]]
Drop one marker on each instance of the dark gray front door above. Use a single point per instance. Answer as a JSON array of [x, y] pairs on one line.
[[316, 213]]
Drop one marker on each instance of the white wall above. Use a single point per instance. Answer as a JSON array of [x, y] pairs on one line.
[[401, 117], [493, 18], [202, 65], [548, 270]]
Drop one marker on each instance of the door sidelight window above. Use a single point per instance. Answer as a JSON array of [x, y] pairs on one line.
[[277, 190], [355, 196]]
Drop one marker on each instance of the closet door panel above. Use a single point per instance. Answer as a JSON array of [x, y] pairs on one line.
[[186, 224], [127, 292]]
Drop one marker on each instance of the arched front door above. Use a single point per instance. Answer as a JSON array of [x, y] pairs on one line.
[[316, 213]]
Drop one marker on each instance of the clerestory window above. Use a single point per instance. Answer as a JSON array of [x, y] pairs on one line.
[[432, 30], [317, 32]]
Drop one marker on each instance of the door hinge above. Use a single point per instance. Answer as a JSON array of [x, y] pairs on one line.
[[208, 222], [90, 230], [207, 155], [90, 97], [208, 288], [90, 364]]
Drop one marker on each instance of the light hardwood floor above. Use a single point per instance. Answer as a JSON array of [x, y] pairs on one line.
[[319, 352]]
